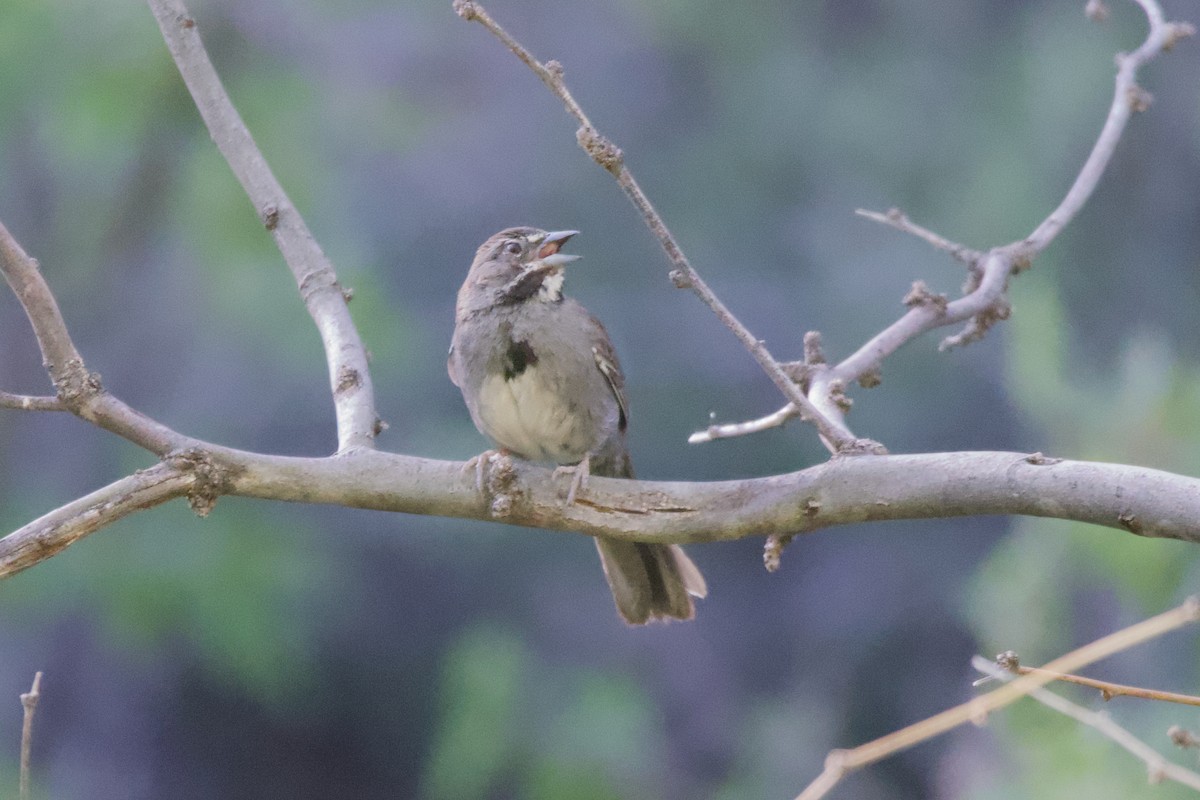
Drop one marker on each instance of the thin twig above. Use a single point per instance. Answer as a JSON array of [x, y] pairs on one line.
[[836, 435], [742, 428], [841, 762], [1128, 97], [349, 375], [28, 402], [79, 390], [1009, 661], [897, 219], [62, 360], [1156, 763], [29, 701], [984, 303]]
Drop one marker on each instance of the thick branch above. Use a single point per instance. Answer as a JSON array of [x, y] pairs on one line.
[[838, 492], [349, 376], [836, 435]]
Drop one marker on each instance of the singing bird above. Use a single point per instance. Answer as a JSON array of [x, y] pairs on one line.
[[541, 379]]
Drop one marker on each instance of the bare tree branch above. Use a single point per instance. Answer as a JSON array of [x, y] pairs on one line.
[[27, 402], [1128, 97], [984, 302], [897, 219], [840, 763], [54, 532], [29, 701], [349, 375], [730, 430], [832, 429], [838, 492], [79, 390], [1157, 764], [59, 355]]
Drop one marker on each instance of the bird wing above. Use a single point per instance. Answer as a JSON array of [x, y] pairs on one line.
[[606, 362], [451, 367]]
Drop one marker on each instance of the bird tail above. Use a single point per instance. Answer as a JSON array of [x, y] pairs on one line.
[[648, 581]]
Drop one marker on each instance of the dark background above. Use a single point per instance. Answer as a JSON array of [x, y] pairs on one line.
[[305, 652]]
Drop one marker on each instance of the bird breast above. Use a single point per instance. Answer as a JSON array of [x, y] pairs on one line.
[[530, 378], [530, 416]]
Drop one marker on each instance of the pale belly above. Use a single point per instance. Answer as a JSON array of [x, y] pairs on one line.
[[524, 415]]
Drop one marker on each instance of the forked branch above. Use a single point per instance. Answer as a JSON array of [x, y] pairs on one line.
[[1158, 768], [839, 763], [984, 302]]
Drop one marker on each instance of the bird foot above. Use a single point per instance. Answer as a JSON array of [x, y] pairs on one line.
[[579, 476], [479, 464]]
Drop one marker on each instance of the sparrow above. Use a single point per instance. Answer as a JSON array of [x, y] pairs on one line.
[[541, 380]]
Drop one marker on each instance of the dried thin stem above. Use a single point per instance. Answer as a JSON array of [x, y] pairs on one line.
[[841, 762], [29, 701], [985, 302], [349, 375], [1108, 690], [1157, 765], [834, 432]]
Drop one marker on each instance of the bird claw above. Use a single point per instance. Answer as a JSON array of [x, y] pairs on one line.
[[579, 476], [479, 464]]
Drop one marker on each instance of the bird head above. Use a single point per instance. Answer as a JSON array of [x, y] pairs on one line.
[[519, 264]]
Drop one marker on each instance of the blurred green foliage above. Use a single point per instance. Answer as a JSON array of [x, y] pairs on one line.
[[509, 721], [477, 739]]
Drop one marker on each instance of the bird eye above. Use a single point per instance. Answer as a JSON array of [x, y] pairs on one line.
[[513, 247]]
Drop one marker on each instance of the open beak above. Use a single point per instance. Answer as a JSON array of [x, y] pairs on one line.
[[548, 254]]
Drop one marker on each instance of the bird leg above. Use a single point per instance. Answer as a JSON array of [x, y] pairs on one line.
[[579, 476]]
